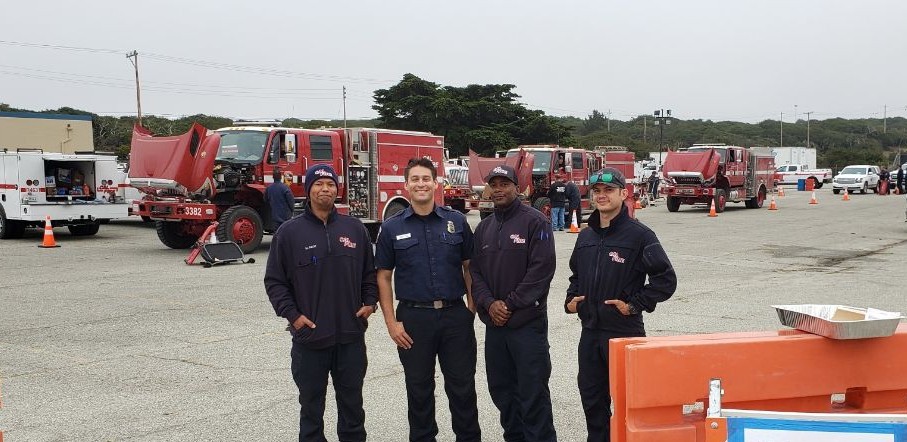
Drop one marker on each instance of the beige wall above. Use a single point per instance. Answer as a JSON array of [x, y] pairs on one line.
[[65, 136]]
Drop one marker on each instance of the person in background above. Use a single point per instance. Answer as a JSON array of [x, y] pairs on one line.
[[512, 266], [280, 200], [654, 181], [575, 209], [320, 277], [618, 270], [557, 198], [425, 249], [900, 179]]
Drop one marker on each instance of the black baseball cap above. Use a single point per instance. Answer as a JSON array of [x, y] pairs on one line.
[[610, 177], [504, 171]]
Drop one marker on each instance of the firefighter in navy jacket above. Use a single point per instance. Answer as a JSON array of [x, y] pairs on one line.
[[512, 267], [321, 277], [609, 266]]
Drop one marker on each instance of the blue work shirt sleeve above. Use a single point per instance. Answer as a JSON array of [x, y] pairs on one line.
[[369, 274], [384, 249]]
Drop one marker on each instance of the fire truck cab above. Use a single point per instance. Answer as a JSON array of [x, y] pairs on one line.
[[202, 176]]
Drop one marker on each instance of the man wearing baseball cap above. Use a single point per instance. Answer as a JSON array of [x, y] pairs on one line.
[[321, 278], [512, 266], [609, 266]]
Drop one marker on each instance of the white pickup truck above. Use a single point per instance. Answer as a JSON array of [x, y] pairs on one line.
[[791, 173]]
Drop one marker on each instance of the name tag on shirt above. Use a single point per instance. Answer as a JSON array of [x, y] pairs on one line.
[[404, 236]]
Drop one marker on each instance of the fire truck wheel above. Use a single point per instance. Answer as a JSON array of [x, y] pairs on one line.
[[242, 225], [543, 205], [720, 200], [173, 235], [393, 209], [10, 229], [673, 204], [84, 229], [756, 201]]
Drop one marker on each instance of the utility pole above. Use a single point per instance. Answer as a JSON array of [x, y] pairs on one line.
[[807, 127], [609, 120], [644, 118], [134, 59], [885, 119], [662, 118], [782, 130], [344, 107]]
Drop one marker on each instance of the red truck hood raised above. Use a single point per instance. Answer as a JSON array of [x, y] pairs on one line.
[[480, 167], [697, 163], [183, 163]]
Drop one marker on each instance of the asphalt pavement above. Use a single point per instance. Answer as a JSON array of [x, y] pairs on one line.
[[113, 337]]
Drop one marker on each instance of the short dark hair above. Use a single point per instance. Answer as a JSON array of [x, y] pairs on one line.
[[276, 174], [420, 162]]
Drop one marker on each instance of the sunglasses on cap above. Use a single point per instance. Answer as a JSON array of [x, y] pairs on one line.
[[604, 178]]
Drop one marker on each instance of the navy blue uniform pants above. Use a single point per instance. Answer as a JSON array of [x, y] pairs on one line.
[[518, 366], [594, 383], [346, 364], [448, 335]]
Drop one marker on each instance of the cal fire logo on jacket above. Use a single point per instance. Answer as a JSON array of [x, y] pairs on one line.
[[517, 239], [616, 257], [346, 242]]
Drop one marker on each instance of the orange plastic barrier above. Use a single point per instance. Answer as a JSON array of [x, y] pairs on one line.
[[653, 380], [810, 184]]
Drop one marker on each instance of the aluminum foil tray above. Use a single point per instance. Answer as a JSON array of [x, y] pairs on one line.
[[839, 321]]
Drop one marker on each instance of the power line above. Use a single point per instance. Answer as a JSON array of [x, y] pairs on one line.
[[59, 47]]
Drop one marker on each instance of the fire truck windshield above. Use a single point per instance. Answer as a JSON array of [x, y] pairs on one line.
[[246, 146], [541, 160]]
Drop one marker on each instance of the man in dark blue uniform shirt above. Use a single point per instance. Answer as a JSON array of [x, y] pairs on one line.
[[426, 249], [512, 267], [280, 200]]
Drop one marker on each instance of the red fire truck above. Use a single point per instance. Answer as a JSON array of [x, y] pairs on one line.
[[457, 192], [545, 162], [715, 172], [204, 176]]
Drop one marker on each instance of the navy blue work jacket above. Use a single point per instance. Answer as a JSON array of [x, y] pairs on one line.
[[426, 254]]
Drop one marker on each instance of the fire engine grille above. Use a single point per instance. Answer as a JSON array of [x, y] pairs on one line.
[[687, 180]]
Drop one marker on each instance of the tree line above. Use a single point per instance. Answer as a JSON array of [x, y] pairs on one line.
[[490, 117]]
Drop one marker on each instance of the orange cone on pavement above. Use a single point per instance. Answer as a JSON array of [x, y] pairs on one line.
[[780, 191], [813, 200], [574, 228], [846, 195], [772, 205], [49, 241], [712, 212]]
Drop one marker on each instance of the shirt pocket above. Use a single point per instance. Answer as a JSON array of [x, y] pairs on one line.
[[406, 252]]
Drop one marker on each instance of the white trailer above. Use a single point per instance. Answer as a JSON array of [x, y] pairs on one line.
[[78, 191], [805, 156]]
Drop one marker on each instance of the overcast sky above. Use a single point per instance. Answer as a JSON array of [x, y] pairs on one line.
[[719, 60]]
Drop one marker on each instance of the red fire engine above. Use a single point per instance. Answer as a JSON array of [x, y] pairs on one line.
[[203, 176], [543, 163], [715, 172]]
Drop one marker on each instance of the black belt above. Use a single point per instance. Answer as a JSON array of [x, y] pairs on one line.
[[437, 304]]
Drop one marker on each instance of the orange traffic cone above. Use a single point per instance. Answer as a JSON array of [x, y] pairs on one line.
[[772, 205], [637, 205], [712, 212], [846, 196], [813, 200], [574, 228], [48, 242], [780, 191]]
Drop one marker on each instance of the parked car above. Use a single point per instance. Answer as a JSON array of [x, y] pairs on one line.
[[858, 177]]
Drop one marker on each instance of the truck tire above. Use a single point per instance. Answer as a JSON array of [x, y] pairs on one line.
[[864, 189], [393, 209], [756, 201], [173, 235], [543, 204], [720, 200], [673, 204], [9, 228], [242, 225], [817, 183], [835, 191], [84, 229]]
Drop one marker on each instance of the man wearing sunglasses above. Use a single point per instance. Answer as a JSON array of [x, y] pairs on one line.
[[608, 289]]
